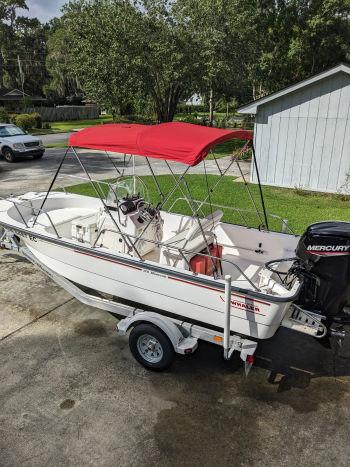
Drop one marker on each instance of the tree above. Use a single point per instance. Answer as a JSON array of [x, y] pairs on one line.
[[290, 40], [22, 49], [30, 40], [7, 18], [223, 44], [92, 47], [63, 80], [120, 52]]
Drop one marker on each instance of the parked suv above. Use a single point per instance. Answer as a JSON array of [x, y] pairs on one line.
[[15, 142]]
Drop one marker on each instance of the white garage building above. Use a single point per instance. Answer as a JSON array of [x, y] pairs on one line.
[[302, 133]]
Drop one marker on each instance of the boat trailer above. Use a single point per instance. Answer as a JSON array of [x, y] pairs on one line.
[[177, 336], [182, 336]]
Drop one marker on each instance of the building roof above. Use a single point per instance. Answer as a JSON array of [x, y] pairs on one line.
[[252, 107], [16, 95]]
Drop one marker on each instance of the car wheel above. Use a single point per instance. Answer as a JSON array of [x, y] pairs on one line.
[[151, 347], [38, 156], [8, 155]]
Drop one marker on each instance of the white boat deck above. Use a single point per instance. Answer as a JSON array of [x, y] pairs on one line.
[[179, 239]]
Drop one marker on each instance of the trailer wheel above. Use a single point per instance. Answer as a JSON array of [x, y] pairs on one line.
[[151, 347]]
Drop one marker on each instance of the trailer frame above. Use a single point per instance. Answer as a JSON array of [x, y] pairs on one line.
[[184, 336]]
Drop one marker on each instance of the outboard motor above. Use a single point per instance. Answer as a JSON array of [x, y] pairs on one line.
[[325, 253]]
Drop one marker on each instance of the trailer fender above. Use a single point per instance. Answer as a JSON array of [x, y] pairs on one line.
[[182, 344]]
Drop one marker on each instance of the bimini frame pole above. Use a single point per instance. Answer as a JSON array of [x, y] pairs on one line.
[[224, 172], [51, 185], [160, 192], [260, 189], [160, 205], [186, 185], [124, 237], [227, 317]]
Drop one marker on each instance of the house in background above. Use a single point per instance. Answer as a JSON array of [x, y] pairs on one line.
[[13, 100], [302, 133], [196, 99]]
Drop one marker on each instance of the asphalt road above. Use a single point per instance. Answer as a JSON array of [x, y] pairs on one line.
[[55, 138]]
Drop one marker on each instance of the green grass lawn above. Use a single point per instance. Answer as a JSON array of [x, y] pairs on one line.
[[229, 148], [300, 208], [76, 124], [43, 131], [66, 127]]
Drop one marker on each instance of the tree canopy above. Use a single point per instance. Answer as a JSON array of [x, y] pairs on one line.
[[130, 54], [22, 49]]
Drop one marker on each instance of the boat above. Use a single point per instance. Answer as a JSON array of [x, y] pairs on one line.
[[186, 267]]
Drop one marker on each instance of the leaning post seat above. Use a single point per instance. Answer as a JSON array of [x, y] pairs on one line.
[[191, 240]]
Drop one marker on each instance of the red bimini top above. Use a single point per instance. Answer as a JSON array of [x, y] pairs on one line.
[[180, 142]]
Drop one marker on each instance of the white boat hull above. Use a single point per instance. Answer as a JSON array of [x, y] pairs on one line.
[[180, 294]]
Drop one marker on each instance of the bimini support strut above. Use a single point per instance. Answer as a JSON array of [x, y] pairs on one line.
[[227, 317], [130, 245], [260, 189], [51, 186]]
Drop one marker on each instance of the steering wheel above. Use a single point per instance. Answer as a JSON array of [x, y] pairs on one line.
[[269, 264]]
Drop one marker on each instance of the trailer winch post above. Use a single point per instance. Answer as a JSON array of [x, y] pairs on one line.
[[227, 317]]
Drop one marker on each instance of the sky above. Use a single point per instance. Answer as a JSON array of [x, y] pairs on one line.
[[44, 10]]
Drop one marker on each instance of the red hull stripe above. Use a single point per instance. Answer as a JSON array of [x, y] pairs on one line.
[[109, 260], [322, 253], [219, 290], [169, 277]]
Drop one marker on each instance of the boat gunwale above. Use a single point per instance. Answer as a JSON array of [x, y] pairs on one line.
[[187, 276]]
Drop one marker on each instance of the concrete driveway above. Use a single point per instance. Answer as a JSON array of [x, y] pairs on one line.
[[71, 394]]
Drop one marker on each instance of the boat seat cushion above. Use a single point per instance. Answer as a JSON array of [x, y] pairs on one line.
[[61, 216], [190, 239], [182, 238], [173, 257]]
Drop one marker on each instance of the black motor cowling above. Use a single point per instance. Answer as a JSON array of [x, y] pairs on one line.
[[325, 253]]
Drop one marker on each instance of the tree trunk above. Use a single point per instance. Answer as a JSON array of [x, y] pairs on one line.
[[166, 105], [1, 71], [211, 110], [166, 113]]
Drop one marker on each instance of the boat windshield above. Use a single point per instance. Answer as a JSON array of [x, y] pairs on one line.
[[125, 187], [10, 130]]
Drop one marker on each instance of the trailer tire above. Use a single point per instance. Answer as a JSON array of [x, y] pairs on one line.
[[151, 347]]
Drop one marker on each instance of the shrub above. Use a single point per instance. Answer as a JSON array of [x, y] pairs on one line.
[[46, 125], [25, 121], [13, 118], [188, 109], [193, 119], [38, 120], [4, 115]]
